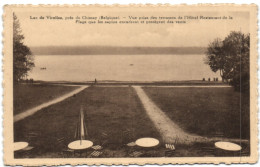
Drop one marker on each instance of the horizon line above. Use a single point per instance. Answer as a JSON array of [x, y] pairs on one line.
[[120, 46]]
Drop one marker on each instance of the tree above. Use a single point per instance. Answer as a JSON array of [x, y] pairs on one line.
[[231, 58], [23, 60], [215, 57], [238, 46]]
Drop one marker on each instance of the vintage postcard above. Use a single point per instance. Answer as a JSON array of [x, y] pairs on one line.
[[130, 84]]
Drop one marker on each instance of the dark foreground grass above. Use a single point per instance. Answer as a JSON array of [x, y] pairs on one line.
[[27, 96], [114, 117], [212, 112]]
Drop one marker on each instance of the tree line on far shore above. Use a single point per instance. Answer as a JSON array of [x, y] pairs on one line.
[[230, 57]]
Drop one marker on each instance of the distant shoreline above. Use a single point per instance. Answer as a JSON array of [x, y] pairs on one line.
[[159, 83], [113, 50]]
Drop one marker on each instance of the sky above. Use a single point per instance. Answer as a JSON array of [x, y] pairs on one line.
[[68, 33], [194, 33]]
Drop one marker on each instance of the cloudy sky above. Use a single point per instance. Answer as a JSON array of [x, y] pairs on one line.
[[67, 32]]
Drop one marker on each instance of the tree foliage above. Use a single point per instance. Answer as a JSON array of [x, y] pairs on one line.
[[23, 60], [231, 58]]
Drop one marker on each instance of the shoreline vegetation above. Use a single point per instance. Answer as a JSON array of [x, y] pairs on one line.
[[115, 50]]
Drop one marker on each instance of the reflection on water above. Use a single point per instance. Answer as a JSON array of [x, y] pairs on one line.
[[120, 68]]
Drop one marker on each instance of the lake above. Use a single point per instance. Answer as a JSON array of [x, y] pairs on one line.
[[120, 67]]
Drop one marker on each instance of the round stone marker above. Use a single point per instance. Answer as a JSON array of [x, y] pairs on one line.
[[20, 145], [80, 144], [147, 142], [228, 146]]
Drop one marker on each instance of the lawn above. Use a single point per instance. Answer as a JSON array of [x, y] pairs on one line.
[[114, 117], [212, 112], [27, 96]]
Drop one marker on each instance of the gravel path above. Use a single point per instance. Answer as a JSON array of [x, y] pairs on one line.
[[169, 131], [32, 111]]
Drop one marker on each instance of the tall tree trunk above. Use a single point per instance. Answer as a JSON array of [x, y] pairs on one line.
[[221, 74]]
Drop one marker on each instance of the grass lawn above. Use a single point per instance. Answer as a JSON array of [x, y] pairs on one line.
[[204, 111], [27, 96], [114, 117]]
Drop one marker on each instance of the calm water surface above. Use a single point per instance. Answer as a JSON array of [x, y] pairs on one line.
[[120, 67]]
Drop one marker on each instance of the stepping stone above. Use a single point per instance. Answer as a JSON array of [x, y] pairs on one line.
[[97, 147], [170, 146], [80, 144], [131, 144], [147, 142], [96, 153], [28, 148], [20, 145], [228, 146]]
